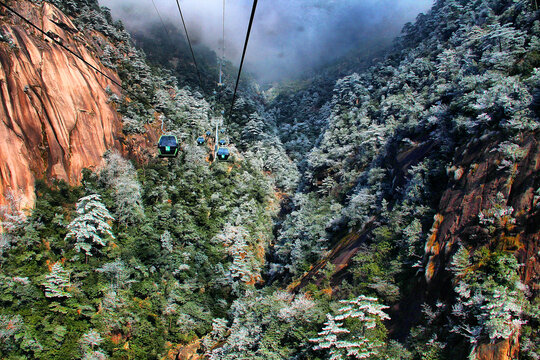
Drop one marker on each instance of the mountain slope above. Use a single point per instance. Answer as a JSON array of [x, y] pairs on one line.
[[454, 100], [405, 228]]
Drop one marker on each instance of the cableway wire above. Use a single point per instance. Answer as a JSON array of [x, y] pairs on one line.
[[222, 49], [243, 53], [162, 22], [59, 43], [189, 42]]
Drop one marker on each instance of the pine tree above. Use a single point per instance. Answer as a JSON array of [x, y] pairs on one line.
[[245, 268], [166, 241], [88, 342], [14, 334], [117, 272], [340, 341], [490, 302], [120, 175], [90, 228], [218, 333], [57, 281]]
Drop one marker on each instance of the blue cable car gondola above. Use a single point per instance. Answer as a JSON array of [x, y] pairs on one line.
[[223, 154], [168, 146], [222, 142], [200, 140], [208, 133]]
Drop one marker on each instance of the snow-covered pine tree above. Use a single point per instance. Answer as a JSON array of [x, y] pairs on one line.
[[57, 282], [490, 302], [343, 343], [89, 343], [120, 175], [90, 228], [218, 333], [245, 268]]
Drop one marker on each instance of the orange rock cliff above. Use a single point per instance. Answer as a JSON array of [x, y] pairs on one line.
[[56, 119]]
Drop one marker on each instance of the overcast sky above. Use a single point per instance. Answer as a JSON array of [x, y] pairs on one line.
[[288, 35]]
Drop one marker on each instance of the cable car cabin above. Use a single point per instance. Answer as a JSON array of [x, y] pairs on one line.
[[222, 131], [200, 140], [223, 154], [222, 142], [208, 133], [168, 146]]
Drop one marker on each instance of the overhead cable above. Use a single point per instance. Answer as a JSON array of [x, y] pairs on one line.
[[162, 22], [222, 59], [244, 52], [189, 43]]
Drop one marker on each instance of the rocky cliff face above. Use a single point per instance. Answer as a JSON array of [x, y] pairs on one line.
[[489, 177], [491, 202], [56, 119]]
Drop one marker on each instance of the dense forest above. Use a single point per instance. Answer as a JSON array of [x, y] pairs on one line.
[[375, 209]]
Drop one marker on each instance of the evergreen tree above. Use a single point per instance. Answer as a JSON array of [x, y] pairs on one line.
[[117, 272], [244, 268], [490, 300], [120, 175], [341, 342], [57, 282], [89, 343], [90, 228]]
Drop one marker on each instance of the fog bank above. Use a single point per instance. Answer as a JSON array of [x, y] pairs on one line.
[[288, 36]]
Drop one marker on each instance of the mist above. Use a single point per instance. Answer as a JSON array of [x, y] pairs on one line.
[[289, 37]]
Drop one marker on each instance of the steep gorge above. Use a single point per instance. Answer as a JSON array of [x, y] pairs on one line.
[[429, 157]]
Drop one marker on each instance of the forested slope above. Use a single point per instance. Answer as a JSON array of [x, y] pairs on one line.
[[431, 152], [388, 214]]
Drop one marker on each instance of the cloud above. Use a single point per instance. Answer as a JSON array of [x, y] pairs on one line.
[[288, 37]]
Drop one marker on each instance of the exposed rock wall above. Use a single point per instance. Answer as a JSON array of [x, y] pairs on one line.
[[482, 180], [55, 116]]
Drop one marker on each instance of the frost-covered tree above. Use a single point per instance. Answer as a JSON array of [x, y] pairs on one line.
[[90, 228], [343, 343], [512, 153], [117, 272], [329, 340], [166, 241], [490, 302], [89, 344], [12, 221], [120, 175], [218, 334], [499, 45], [360, 207], [57, 282], [94, 355], [498, 216], [261, 325], [9, 326], [304, 235], [14, 335], [269, 156], [115, 314], [12, 217], [412, 234], [254, 129], [244, 267]]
